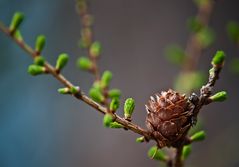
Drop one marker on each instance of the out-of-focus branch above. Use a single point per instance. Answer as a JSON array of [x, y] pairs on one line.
[[194, 48], [87, 34], [201, 37]]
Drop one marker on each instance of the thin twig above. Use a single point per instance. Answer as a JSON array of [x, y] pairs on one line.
[[206, 90], [80, 95], [169, 163], [178, 158], [205, 93]]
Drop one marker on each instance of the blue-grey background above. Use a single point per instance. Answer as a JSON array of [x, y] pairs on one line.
[[40, 128]]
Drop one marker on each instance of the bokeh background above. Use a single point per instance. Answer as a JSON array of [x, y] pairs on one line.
[[40, 128]]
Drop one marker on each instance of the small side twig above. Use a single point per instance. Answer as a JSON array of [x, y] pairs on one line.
[[178, 157], [206, 90], [204, 99]]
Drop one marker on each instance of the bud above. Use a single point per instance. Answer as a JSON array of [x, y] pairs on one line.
[[156, 154], [16, 21], [87, 20], [61, 61], [234, 65], [202, 3], [219, 97], [188, 81], [39, 60], [95, 49], [218, 58], [194, 24], [108, 119], [116, 125], [96, 95], [106, 78], [40, 43], [84, 63], [114, 93], [175, 54], [114, 104], [36, 69], [140, 139], [74, 89], [82, 6], [129, 108], [18, 35], [97, 85], [205, 37], [186, 151], [86, 38], [198, 136], [64, 90], [197, 127], [233, 31]]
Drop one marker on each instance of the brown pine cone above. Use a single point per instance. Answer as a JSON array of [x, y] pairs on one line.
[[169, 118]]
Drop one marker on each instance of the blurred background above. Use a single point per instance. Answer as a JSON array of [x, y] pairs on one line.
[[40, 128]]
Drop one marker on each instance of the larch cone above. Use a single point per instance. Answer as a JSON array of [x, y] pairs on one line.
[[169, 116]]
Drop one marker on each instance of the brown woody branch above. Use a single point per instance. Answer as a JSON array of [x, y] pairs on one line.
[[206, 90], [80, 95], [193, 52], [205, 93]]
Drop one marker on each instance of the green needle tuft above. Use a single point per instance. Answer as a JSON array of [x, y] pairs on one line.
[[64, 90], [61, 61], [218, 58], [84, 63], [39, 60], [198, 136], [129, 108], [233, 31], [114, 104], [95, 49], [106, 78], [96, 95], [114, 93], [186, 151], [219, 97], [108, 119], [16, 21], [156, 154], [115, 125], [40, 43], [140, 139], [74, 89], [36, 70]]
